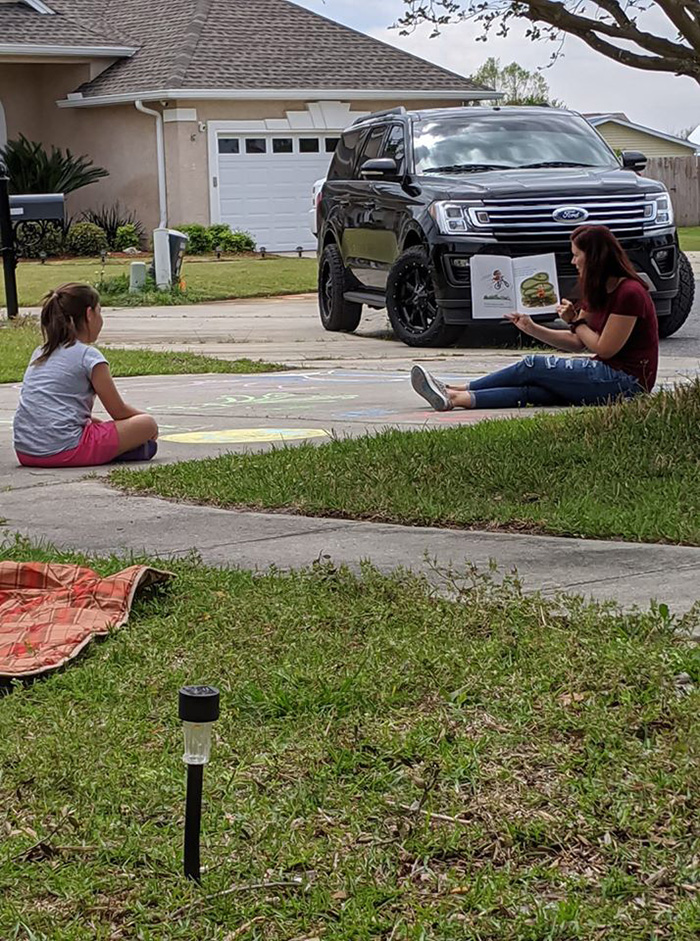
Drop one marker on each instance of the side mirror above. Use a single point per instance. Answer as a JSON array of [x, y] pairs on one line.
[[378, 167], [633, 160]]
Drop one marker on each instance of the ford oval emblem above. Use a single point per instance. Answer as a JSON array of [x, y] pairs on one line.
[[570, 214]]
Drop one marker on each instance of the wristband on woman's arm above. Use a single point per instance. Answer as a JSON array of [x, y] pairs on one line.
[[581, 322]]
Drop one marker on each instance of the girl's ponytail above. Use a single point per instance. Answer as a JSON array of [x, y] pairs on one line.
[[63, 314]]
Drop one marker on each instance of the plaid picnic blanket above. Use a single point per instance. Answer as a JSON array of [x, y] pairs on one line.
[[48, 613]]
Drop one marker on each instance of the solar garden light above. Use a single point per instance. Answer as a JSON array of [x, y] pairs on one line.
[[219, 249], [42, 256], [263, 250], [199, 710], [300, 250]]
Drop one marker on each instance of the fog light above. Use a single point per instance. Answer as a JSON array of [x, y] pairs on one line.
[[460, 262]]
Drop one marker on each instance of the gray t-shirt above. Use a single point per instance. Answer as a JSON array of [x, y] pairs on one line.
[[56, 400]]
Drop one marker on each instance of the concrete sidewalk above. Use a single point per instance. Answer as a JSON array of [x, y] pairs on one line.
[[88, 515]]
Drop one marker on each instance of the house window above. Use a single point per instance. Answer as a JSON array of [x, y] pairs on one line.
[[229, 145], [255, 145], [282, 145], [309, 145], [331, 144]]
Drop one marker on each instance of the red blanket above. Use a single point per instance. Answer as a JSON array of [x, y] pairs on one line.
[[48, 613]]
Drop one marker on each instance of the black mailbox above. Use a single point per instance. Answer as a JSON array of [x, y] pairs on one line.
[[38, 207], [14, 210]]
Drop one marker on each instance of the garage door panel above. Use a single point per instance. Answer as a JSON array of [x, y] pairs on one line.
[[269, 195]]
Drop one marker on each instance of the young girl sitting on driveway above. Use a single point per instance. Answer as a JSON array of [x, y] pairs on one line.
[[53, 424]]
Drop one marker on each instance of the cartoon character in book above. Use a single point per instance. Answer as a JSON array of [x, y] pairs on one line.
[[499, 282]]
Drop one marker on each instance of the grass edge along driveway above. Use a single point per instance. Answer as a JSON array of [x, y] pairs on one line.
[[18, 339], [627, 471]]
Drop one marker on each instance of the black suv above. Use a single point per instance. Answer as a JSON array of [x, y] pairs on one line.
[[411, 195]]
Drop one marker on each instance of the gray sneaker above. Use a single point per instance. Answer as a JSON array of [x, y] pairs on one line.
[[431, 389]]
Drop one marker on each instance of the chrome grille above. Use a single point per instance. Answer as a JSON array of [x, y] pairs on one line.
[[531, 221]]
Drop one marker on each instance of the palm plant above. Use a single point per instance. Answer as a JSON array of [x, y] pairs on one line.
[[32, 169]]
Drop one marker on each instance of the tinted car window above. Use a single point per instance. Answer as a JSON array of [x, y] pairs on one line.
[[506, 141], [372, 146], [342, 163], [395, 145]]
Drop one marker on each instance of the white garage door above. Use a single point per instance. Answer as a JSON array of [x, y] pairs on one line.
[[265, 185]]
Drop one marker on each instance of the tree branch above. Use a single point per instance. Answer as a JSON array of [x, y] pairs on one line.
[[604, 25]]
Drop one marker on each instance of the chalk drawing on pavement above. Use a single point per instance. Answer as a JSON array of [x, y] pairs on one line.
[[245, 435]]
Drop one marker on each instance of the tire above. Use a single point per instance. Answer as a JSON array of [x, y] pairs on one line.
[[682, 303], [410, 299], [336, 313]]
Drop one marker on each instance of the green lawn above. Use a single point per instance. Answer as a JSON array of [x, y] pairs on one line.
[[690, 239], [388, 764], [18, 339], [205, 280], [630, 471]]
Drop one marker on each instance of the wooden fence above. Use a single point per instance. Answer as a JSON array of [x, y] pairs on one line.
[[681, 176]]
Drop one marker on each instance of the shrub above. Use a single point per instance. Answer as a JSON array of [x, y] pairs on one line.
[[220, 235], [240, 242], [86, 238], [203, 240], [127, 237], [33, 238], [198, 243], [112, 218], [32, 169]]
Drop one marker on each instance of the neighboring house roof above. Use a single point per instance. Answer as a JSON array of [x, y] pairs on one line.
[[206, 45], [597, 120]]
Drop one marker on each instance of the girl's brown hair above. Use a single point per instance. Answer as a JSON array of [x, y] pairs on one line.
[[605, 259], [63, 315]]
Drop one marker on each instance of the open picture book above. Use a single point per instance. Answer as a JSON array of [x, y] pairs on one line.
[[503, 285]]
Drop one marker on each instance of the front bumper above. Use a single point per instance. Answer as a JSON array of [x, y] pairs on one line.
[[453, 283]]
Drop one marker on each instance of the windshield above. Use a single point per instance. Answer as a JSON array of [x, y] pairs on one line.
[[507, 141]]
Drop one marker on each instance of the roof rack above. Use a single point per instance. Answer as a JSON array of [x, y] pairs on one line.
[[380, 114]]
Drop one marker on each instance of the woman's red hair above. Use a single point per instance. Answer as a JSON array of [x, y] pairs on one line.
[[605, 259]]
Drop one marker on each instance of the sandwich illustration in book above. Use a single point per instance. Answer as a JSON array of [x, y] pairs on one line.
[[502, 285]]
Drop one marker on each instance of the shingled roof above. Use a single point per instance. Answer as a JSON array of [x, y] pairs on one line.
[[237, 45], [21, 25]]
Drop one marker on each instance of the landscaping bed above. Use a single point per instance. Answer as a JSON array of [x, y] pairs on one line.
[[628, 471], [388, 763], [205, 280], [19, 339]]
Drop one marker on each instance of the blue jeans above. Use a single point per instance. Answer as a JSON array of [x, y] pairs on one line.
[[553, 380]]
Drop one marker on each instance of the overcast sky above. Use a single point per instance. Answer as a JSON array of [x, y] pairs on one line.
[[584, 80]]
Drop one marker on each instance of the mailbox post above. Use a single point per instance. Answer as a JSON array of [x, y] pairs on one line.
[[7, 249], [14, 210]]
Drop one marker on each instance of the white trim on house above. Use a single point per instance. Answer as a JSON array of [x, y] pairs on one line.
[[276, 94], [35, 5], [177, 115], [320, 117], [605, 119], [70, 52]]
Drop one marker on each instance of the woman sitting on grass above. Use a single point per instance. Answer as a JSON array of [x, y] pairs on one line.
[[53, 424], [617, 323]]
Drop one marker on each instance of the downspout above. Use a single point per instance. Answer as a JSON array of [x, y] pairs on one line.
[[160, 156]]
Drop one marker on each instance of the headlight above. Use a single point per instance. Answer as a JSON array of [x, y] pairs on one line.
[[459, 218], [659, 211]]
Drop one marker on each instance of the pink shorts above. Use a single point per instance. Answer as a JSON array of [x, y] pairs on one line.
[[99, 444]]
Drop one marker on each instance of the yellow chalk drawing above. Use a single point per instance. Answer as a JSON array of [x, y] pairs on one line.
[[244, 435]]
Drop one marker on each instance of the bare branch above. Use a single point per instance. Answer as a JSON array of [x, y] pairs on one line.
[[611, 27]]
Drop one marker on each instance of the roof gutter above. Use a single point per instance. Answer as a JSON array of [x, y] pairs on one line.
[[160, 156], [82, 52], [276, 94]]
